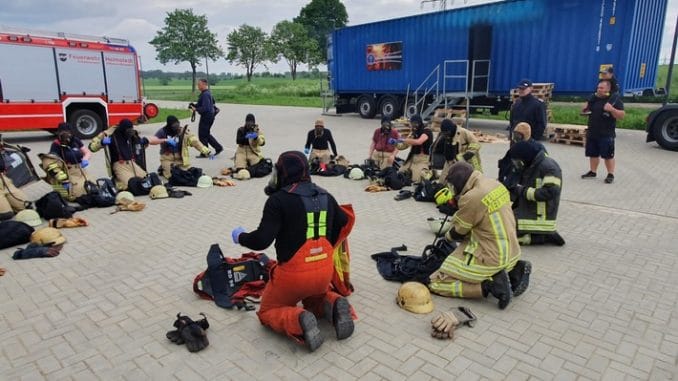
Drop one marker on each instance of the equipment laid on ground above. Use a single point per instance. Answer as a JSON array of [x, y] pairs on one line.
[[48, 78]]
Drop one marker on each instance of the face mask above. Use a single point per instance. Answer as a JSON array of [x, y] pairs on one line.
[[130, 133], [318, 131], [385, 128], [65, 138], [518, 164], [517, 137]]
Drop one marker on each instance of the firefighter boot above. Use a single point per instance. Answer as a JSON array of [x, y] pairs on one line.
[[499, 287], [339, 315], [309, 325], [555, 239], [520, 277]]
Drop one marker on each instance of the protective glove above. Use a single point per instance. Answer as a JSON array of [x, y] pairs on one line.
[[143, 141], [235, 234], [172, 141], [66, 185], [518, 190], [443, 325], [84, 163], [211, 156], [72, 222], [190, 332], [306, 151], [106, 140], [468, 155], [251, 135], [394, 141]]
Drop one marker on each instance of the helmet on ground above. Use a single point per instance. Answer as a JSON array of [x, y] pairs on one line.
[[158, 191], [29, 217], [204, 182], [356, 174], [439, 225], [47, 237], [414, 297], [443, 196], [243, 174], [124, 195], [426, 174]]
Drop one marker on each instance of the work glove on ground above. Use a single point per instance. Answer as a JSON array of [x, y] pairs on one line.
[[84, 163], [375, 188], [72, 222], [131, 206], [444, 324], [189, 332], [33, 250], [226, 171], [223, 182]]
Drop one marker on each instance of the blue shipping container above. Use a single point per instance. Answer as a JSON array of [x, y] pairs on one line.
[[564, 42]]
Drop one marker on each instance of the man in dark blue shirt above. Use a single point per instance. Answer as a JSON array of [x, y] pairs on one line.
[[205, 107], [529, 109]]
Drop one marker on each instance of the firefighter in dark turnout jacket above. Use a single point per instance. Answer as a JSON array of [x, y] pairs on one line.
[[537, 194], [306, 222]]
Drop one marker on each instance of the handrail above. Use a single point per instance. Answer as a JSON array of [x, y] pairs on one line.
[[428, 90]]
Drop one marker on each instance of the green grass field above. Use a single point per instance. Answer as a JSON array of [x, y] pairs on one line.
[[165, 112], [305, 92]]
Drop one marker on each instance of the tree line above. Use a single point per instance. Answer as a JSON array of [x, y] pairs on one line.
[[165, 77], [186, 37]]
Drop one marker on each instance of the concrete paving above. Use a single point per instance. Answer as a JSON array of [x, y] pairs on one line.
[[604, 306]]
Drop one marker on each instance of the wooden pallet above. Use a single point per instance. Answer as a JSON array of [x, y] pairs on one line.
[[485, 138], [569, 134], [441, 114], [579, 142]]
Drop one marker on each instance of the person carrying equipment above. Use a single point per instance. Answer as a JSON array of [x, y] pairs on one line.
[[174, 142], [66, 162], [455, 144], [306, 222]]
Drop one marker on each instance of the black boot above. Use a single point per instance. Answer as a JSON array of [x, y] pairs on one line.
[[312, 336], [520, 277], [339, 315], [555, 239], [499, 287]]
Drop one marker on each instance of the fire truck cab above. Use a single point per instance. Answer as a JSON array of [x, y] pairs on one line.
[[48, 78]]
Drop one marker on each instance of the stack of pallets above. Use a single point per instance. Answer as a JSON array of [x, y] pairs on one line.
[[485, 138], [445, 113], [569, 134], [543, 91]]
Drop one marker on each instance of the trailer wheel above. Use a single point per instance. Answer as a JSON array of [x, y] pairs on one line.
[[366, 107], [666, 130], [389, 107], [410, 110], [87, 123]]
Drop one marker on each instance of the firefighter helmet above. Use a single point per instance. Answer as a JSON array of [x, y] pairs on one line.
[[414, 297], [158, 191], [29, 217], [124, 195], [243, 174], [204, 182], [47, 237]]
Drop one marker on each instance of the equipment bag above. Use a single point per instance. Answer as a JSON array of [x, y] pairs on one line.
[[52, 205], [224, 278], [14, 162], [139, 186], [14, 233], [187, 178], [100, 194], [263, 168]]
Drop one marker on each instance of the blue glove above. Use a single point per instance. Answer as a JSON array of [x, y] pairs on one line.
[[306, 151], [393, 141], [251, 135], [106, 140], [211, 156], [84, 163], [66, 185], [172, 141], [235, 234]]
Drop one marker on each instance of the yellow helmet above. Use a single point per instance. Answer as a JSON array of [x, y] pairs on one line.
[[204, 182], [158, 191], [124, 195], [443, 196], [47, 237], [29, 217], [243, 174], [414, 297]]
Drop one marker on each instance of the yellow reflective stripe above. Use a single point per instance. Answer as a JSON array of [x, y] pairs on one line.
[[461, 222], [472, 245], [551, 180], [315, 258], [537, 225], [453, 289], [497, 198], [530, 194], [474, 146], [500, 237], [310, 225], [322, 224], [541, 210]]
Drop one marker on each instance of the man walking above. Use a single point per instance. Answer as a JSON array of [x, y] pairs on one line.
[[606, 109], [205, 107]]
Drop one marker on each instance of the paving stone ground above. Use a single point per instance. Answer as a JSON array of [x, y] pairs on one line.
[[604, 306]]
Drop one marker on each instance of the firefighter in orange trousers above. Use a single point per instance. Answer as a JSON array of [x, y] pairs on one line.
[[306, 222]]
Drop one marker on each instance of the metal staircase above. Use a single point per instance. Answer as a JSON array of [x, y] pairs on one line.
[[452, 86]]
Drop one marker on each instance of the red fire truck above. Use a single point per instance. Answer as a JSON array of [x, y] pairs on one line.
[[48, 78]]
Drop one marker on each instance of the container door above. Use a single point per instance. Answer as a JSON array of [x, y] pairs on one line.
[[479, 49]]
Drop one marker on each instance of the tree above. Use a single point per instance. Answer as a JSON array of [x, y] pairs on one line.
[[248, 47], [291, 41], [186, 38], [320, 17]]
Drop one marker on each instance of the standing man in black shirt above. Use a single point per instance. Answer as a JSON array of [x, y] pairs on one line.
[[205, 107], [606, 109], [529, 109], [319, 138]]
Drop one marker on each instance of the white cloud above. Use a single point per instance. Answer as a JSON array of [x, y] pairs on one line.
[[138, 21]]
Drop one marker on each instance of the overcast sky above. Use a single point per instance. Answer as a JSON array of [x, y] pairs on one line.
[[138, 21]]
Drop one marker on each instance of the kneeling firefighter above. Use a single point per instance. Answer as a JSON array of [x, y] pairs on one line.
[[65, 163], [306, 223], [174, 142], [420, 141], [489, 246], [454, 144]]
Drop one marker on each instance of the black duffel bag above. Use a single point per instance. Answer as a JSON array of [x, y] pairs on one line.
[[186, 178]]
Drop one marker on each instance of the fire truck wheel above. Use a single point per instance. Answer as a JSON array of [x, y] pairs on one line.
[[87, 123]]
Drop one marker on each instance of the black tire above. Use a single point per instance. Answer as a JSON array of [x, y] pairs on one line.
[[389, 107], [367, 107], [666, 130], [86, 123], [410, 110]]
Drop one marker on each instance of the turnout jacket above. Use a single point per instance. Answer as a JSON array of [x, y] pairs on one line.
[[486, 220], [181, 153], [453, 149], [538, 204]]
